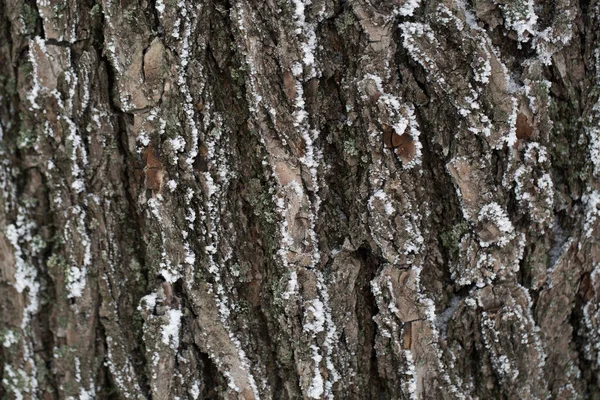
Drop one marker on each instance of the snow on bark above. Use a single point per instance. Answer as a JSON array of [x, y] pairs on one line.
[[303, 199]]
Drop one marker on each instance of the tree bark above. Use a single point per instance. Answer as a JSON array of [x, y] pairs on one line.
[[299, 199]]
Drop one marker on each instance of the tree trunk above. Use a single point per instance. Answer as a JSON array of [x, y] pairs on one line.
[[299, 199]]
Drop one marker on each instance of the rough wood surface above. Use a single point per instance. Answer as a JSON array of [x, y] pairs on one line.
[[280, 199]]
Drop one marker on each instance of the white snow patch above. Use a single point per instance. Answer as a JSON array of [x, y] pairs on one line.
[[195, 390], [170, 332], [382, 196], [520, 16], [149, 301], [592, 201], [316, 310], [317, 386], [495, 214], [409, 7], [160, 7], [292, 286], [25, 273], [9, 338]]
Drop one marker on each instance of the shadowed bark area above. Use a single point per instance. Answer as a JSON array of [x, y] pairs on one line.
[[299, 199]]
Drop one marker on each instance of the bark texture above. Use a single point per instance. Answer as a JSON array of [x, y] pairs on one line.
[[241, 199]]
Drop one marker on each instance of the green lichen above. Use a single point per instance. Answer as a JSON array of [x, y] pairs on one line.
[[57, 264], [70, 387], [30, 204], [567, 143], [345, 20], [350, 147], [136, 270], [42, 371], [26, 139], [59, 9], [63, 322], [451, 239], [58, 240], [95, 11], [8, 337], [172, 126], [285, 355], [129, 16], [260, 201], [153, 254], [63, 351], [138, 325], [28, 17], [37, 244], [15, 381], [257, 195], [278, 287], [9, 84], [26, 69], [235, 269]]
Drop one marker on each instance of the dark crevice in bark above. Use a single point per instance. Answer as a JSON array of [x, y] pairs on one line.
[[39, 22], [61, 43], [274, 367], [373, 386], [564, 155], [50, 289], [523, 275], [260, 322], [446, 214], [481, 373], [213, 382], [124, 121], [498, 168], [232, 104], [465, 291], [154, 19], [108, 388], [580, 341], [138, 246]]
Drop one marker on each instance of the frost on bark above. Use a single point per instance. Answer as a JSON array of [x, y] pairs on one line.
[[299, 199]]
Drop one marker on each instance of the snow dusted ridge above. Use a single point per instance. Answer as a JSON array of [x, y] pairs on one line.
[[293, 199]]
